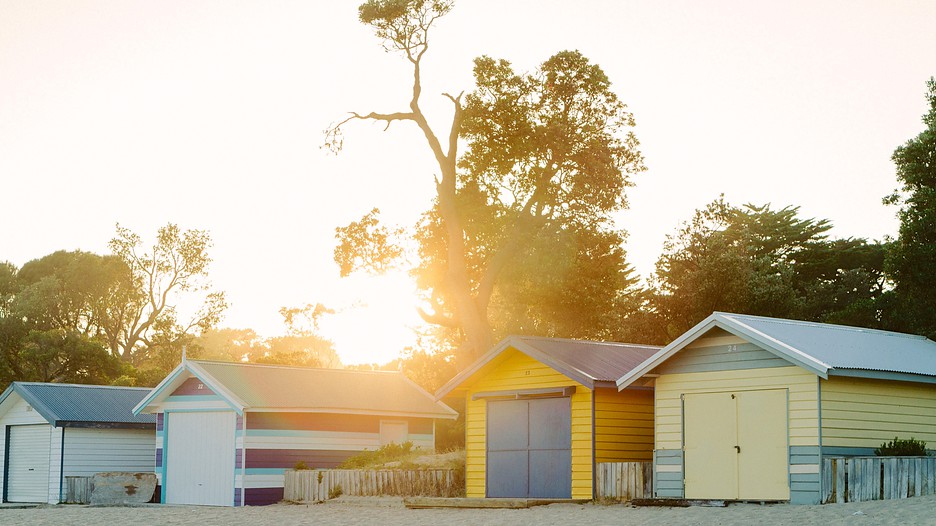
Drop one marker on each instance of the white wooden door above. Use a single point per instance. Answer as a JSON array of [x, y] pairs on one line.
[[200, 458], [28, 463]]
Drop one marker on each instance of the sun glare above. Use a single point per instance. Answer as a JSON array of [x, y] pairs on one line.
[[374, 319]]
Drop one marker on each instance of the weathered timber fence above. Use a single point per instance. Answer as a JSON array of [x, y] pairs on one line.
[[315, 485], [859, 479], [625, 480], [77, 490]]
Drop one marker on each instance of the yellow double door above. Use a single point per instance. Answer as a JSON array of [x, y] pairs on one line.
[[735, 445]]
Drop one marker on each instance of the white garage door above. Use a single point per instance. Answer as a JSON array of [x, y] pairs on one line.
[[28, 464], [200, 458]]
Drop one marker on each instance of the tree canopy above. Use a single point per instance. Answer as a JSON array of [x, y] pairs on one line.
[[548, 156], [912, 258], [757, 260]]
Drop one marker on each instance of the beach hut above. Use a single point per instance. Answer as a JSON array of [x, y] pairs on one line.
[[746, 407], [227, 431], [52, 431], [541, 412]]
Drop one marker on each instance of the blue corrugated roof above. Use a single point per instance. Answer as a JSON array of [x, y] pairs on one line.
[[83, 405]]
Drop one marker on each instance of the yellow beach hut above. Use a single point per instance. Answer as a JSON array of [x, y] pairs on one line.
[[541, 412], [746, 407]]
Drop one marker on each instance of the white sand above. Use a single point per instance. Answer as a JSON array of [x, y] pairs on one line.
[[390, 512]]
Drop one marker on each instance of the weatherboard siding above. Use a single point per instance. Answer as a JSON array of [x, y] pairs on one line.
[[802, 391], [90, 451], [519, 371], [623, 425], [860, 414], [720, 353]]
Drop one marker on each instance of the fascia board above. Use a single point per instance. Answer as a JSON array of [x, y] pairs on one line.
[[664, 354]]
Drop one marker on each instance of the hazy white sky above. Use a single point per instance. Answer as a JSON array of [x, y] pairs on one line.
[[210, 114]]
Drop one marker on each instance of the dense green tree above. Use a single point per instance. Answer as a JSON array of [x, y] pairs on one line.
[[55, 355], [912, 259], [549, 155], [756, 260]]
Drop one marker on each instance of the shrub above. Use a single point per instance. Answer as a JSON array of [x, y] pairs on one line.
[[301, 465], [902, 448], [335, 492], [382, 455]]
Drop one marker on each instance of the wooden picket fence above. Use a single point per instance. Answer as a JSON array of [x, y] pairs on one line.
[[859, 479], [316, 485], [625, 480]]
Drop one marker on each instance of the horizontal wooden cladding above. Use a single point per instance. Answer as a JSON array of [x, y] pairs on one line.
[[864, 413], [623, 425], [728, 354], [802, 406], [288, 458], [330, 422]]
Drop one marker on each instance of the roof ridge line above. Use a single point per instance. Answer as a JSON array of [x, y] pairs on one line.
[[293, 367], [835, 326], [598, 342], [86, 386]]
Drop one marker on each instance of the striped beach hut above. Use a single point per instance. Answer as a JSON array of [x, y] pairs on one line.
[[746, 407], [52, 431], [541, 412], [227, 431]]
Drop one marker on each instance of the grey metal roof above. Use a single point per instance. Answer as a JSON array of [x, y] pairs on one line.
[[600, 361], [842, 347], [73, 405], [587, 362]]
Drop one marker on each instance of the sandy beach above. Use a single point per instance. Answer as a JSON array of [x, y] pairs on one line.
[[391, 512]]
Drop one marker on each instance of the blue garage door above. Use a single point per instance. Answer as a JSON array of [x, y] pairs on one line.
[[529, 448]]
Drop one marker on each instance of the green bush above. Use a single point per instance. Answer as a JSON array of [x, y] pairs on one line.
[[902, 448], [301, 465]]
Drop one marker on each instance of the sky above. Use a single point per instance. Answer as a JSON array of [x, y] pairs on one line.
[[210, 114]]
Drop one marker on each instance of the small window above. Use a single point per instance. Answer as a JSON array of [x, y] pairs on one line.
[[393, 432]]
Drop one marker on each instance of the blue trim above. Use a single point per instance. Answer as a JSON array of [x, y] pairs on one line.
[[838, 451], [264, 471], [165, 458], [159, 389], [62, 467]]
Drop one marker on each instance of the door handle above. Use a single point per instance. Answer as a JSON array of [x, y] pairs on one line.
[[738, 448]]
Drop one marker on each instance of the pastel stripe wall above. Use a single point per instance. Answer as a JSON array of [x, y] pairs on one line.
[[276, 441], [268, 443]]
